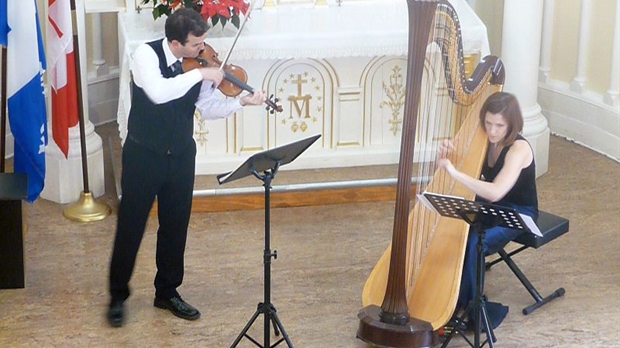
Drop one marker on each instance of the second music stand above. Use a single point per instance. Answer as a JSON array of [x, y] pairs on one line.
[[481, 216], [268, 162]]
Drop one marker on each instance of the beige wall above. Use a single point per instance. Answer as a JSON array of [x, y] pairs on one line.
[[599, 50], [110, 39], [565, 40], [589, 117], [491, 12], [110, 36]]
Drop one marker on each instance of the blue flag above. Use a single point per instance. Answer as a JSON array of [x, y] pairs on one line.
[[26, 102], [4, 26]]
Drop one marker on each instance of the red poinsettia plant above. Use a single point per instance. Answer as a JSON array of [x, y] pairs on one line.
[[215, 11]]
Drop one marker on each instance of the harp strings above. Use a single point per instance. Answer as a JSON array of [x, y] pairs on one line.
[[439, 118]]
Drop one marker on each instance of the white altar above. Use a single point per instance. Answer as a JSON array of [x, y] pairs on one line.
[[331, 67]]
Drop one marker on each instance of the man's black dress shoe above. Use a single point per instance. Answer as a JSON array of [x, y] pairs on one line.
[[116, 314], [178, 307]]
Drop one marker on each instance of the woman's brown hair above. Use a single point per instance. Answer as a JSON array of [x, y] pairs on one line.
[[507, 105]]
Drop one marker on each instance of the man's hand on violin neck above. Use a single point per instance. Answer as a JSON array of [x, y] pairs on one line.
[[214, 75], [256, 98]]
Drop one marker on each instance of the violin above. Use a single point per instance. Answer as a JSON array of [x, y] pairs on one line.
[[235, 77]]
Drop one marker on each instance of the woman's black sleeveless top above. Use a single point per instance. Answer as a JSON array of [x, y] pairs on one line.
[[523, 193]]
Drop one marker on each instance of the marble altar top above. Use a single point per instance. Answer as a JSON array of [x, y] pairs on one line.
[[362, 28]]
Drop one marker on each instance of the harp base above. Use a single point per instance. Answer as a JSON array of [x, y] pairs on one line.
[[413, 333]]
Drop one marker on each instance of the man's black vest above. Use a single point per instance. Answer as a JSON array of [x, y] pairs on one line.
[[164, 128]]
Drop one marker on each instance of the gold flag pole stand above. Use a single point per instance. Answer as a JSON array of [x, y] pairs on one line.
[[86, 209]]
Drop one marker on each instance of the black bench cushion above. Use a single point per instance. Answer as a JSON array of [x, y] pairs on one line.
[[551, 226]]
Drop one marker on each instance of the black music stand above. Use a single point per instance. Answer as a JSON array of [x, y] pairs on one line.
[[481, 216], [267, 162]]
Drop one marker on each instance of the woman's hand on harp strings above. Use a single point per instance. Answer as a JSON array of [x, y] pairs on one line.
[[446, 148]]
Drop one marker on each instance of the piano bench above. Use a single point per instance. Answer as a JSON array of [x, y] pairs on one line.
[[551, 226]]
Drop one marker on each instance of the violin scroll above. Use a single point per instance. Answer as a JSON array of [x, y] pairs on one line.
[[272, 106]]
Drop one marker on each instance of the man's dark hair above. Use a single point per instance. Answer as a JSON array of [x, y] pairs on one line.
[[183, 22]]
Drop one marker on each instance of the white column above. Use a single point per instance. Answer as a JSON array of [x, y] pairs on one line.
[[611, 97], [130, 6], [521, 39], [545, 48], [101, 68], [579, 81], [63, 176]]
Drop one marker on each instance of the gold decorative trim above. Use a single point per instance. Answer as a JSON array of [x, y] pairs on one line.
[[366, 79], [469, 63], [395, 92], [234, 134], [200, 135], [348, 143], [252, 148], [296, 2]]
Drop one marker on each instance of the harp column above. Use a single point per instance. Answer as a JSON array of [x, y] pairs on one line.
[[521, 39]]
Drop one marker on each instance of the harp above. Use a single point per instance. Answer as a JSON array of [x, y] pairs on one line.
[[413, 288]]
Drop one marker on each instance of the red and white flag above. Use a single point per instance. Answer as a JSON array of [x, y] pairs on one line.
[[61, 72]]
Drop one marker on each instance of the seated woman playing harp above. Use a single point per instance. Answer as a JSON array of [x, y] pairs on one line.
[[508, 178]]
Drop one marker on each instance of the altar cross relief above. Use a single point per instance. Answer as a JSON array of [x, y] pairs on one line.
[[301, 109], [304, 98]]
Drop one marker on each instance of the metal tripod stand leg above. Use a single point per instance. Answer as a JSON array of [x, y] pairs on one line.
[[277, 325], [245, 330], [480, 309], [266, 308], [478, 304], [275, 321]]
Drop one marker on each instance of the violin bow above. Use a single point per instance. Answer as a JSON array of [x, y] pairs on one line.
[[245, 19]]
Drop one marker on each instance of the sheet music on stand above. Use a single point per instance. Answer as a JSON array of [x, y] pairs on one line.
[[450, 206]]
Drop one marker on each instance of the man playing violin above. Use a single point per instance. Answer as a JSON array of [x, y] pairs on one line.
[[159, 155]]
